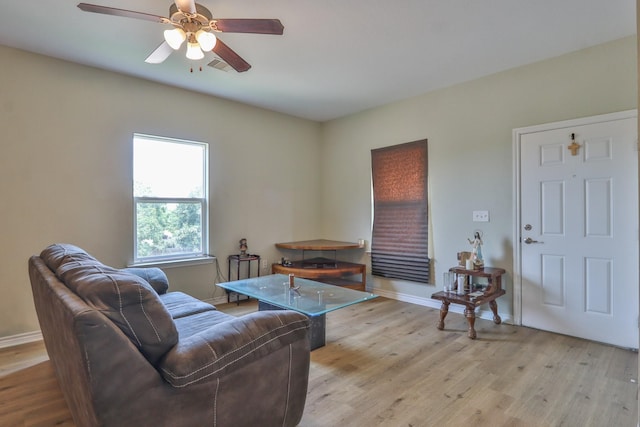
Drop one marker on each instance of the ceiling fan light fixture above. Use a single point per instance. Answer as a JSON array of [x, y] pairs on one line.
[[194, 52], [175, 37], [206, 40]]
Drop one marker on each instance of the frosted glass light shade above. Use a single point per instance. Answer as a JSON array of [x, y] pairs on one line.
[[206, 40], [175, 37], [194, 52]]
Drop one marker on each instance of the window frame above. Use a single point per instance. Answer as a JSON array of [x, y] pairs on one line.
[[183, 257]]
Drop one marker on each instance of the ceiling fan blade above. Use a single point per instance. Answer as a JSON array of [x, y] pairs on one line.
[[256, 26], [188, 6], [230, 57], [122, 12], [160, 54]]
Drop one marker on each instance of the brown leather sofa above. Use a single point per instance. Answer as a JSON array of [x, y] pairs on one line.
[[128, 353]]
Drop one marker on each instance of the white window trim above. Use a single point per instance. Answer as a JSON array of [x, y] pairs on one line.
[[185, 258], [183, 262]]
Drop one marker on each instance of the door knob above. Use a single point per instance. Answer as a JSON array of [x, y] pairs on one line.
[[529, 241]]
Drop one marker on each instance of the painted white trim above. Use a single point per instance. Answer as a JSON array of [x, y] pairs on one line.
[[19, 339], [222, 299], [485, 314], [517, 226], [206, 259], [27, 337], [14, 340]]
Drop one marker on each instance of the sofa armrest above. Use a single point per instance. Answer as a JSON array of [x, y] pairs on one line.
[[228, 346]]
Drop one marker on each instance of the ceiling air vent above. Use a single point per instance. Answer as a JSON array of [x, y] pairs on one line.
[[219, 65]]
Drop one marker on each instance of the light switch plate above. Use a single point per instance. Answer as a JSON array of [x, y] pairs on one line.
[[480, 216]]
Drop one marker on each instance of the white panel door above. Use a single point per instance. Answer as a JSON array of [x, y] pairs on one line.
[[579, 236]]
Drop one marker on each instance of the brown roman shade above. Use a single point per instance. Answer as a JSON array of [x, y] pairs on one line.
[[399, 242]]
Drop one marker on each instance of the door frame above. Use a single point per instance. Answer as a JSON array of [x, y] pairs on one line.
[[517, 226]]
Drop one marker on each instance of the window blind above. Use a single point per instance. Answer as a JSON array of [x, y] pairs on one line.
[[399, 242]]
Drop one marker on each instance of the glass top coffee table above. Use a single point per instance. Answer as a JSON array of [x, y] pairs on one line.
[[314, 299]]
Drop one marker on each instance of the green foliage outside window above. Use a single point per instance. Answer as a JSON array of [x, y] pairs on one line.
[[168, 228]]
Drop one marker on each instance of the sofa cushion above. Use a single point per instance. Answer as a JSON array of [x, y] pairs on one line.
[[196, 323], [59, 253], [126, 299], [153, 275], [180, 304], [232, 344]]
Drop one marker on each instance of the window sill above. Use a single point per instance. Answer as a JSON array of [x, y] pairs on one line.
[[208, 259]]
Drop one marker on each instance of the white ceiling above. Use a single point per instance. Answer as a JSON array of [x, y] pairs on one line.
[[336, 57]]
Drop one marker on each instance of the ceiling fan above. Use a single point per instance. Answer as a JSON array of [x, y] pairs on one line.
[[195, 24]]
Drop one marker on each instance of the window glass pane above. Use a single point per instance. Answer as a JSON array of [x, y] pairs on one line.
[[168, 229], [170, 199], [166, 169]]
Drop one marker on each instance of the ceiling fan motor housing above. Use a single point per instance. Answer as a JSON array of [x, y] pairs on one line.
[[191, 22]]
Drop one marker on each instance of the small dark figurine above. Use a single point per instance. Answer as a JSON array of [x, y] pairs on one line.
[[243, 246]]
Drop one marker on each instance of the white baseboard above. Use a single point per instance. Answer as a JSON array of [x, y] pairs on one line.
[[18, 339], [28, 337], [217, 300], [481, 313]]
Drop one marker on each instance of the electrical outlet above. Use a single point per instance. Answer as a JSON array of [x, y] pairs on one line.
[[480, 216], [265, 263]]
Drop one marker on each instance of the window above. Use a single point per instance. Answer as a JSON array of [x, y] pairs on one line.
[[399, 241], [170, 199]]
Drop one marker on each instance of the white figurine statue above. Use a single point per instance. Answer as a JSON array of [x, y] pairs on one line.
[[476, 252]]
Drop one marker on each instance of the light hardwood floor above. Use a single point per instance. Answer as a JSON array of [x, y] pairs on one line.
[[386, 364]]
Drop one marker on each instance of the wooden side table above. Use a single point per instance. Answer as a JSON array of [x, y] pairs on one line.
[[471, 299], [326, 270]]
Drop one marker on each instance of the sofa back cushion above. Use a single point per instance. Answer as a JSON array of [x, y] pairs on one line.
[[153, 276], [126, 299], [57, 254]]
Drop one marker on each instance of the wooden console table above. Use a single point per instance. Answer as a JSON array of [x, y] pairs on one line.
[[322, 269], [471, 299]]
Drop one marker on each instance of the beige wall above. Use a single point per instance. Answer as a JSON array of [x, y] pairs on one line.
[[65, 170], [638, 97], [65, 162], [469, 128]]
